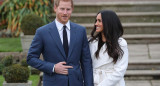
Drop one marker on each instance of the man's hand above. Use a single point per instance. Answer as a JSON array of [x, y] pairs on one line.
[[61, 68]]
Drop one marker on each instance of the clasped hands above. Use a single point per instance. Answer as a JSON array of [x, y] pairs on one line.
[[61, 68]]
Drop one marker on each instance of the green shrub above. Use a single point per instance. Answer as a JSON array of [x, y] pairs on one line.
[[1, 68], [7, 61], [24, 63], [30, 23], [12, 12], [16, 74]]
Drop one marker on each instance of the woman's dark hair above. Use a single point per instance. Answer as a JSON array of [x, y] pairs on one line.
[[113, 30]]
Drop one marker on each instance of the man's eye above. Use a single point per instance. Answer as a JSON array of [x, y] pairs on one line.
[[62, 8], [68, 9]]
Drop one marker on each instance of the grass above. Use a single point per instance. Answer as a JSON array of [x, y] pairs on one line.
[[1, 80], [33, 78], [10, 45]]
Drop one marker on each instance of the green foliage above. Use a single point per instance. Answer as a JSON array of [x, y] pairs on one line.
[[12, 12], [30, 23], [1, 68], [33, 78], [7, 61], [16, 74], [24, 63]]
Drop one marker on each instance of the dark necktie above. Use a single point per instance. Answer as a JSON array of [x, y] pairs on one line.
[[65, 40]]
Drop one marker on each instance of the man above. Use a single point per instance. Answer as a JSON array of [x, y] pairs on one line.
[[65, 50]]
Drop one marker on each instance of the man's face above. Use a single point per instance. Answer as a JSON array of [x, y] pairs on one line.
[[63, 11]]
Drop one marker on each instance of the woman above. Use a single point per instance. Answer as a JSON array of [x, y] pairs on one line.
[[109, 50]]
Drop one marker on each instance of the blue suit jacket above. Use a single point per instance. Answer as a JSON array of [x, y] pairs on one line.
[[47, 41]]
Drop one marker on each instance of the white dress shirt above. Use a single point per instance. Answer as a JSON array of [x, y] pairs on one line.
[[60, 31]]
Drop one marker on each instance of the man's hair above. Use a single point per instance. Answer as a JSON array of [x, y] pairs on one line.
[[56, 2]]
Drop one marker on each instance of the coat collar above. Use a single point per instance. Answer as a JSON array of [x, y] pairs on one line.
[[55, 35], [72, 38], [103, 55]]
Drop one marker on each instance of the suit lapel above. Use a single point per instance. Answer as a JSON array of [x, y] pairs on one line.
[[72, 38], [55, 35]]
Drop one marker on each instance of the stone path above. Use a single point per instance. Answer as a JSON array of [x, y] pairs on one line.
[[143, 83], [144, 51]]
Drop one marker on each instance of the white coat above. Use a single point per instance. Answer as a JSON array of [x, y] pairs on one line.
[[105, 72]]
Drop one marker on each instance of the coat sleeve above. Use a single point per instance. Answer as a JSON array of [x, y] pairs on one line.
[[86, 62], [34, 52], [119, 68]]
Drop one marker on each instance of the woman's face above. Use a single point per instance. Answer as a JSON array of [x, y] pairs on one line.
[[99, 24]]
